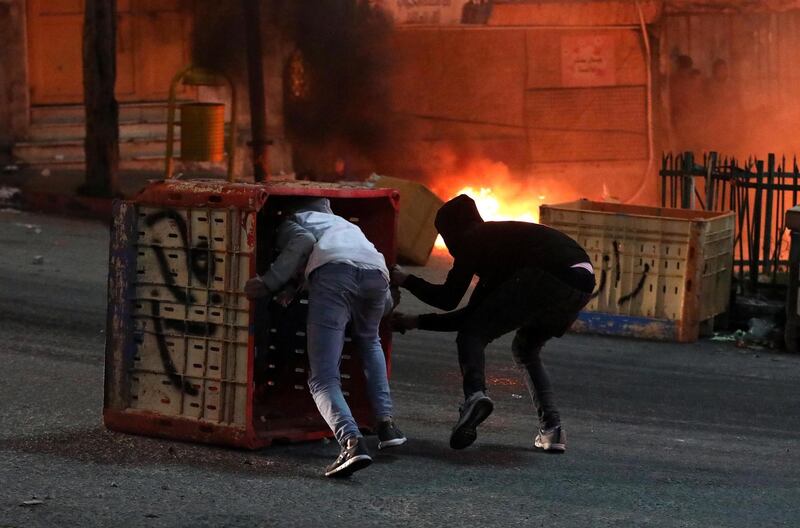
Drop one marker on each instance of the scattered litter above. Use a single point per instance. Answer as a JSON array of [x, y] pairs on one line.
[[45, 172], [759, 328], [32, 502], [6, 193], [114, 485], [151, 516], [728, 337], [761, 333], [37, 230], [38, 260], [11, 168], [10, 198], [517, 396], [59, 157]]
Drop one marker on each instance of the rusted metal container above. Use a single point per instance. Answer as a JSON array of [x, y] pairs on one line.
[[203, 132], [660, 272], [188, 357]]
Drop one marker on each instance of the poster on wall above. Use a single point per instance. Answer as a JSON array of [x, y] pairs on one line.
[[438, 12], [588, 60]]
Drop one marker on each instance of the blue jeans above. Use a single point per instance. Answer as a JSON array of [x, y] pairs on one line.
[[340, 294]]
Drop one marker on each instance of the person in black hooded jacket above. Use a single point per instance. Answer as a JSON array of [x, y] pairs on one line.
[[532, 279]]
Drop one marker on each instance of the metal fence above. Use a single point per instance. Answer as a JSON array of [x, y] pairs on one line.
[[758, 192]]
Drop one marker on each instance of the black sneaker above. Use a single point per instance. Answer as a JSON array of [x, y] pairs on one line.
[[553, 440], [389, 435], [354, 456], [473, 412]]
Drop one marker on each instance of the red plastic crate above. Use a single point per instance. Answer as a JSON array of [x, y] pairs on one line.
[[188, 357]]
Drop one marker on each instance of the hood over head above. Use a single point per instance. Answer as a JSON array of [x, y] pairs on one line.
[[454, 219], [307, 204]]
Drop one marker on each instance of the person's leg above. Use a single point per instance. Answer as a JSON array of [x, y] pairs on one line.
[[368, 307], [527, 348], [531, 298], [504, 309], [472, 362], [494, 316], [328, 314]]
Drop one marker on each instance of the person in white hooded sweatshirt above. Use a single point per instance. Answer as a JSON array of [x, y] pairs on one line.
[[348, 282]]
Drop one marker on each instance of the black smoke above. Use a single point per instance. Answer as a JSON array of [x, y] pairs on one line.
[[344, 45], [345, 48]]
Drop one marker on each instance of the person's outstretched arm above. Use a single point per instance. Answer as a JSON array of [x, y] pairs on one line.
[[296, 243], [443, 296]]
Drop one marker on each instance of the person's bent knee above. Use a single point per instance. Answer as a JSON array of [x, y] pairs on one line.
[[470, 339], [317, 385], [524, 350]]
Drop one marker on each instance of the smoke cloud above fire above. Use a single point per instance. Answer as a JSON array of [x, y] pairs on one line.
[[344, 47]]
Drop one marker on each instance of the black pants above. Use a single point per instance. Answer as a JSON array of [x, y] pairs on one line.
[[538, 306]]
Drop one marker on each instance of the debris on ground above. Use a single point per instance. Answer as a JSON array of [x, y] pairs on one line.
[[32, 502], [38, 260], [10, 197], [761, 333]]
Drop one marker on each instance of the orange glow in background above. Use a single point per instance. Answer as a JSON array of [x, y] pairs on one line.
[[498, 194]]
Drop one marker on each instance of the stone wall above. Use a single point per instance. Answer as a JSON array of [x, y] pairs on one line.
[[13, 73], [567, 103]]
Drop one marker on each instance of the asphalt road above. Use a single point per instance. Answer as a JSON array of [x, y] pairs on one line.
[[659, 434]]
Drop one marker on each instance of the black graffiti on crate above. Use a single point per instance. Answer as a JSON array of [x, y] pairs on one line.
[[200, 265], [617, 269]]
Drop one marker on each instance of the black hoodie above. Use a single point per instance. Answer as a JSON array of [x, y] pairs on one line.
[[494, 251]]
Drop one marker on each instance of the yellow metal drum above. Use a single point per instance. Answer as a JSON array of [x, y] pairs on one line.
[[203, 132]]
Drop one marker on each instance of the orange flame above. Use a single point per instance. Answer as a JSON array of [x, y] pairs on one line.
[[498, 195]]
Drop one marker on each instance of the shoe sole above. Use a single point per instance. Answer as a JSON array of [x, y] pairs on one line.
[[351, 466], [465, 434], [556, 449], [392, 443]]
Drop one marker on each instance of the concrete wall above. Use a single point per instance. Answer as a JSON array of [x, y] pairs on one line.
[[13, 73], [568, 103]]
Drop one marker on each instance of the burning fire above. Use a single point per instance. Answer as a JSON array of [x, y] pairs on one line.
[[493, 207], [497, 206], [498, 195]]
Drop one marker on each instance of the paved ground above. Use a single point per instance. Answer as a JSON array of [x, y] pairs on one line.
[[659, 434]]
